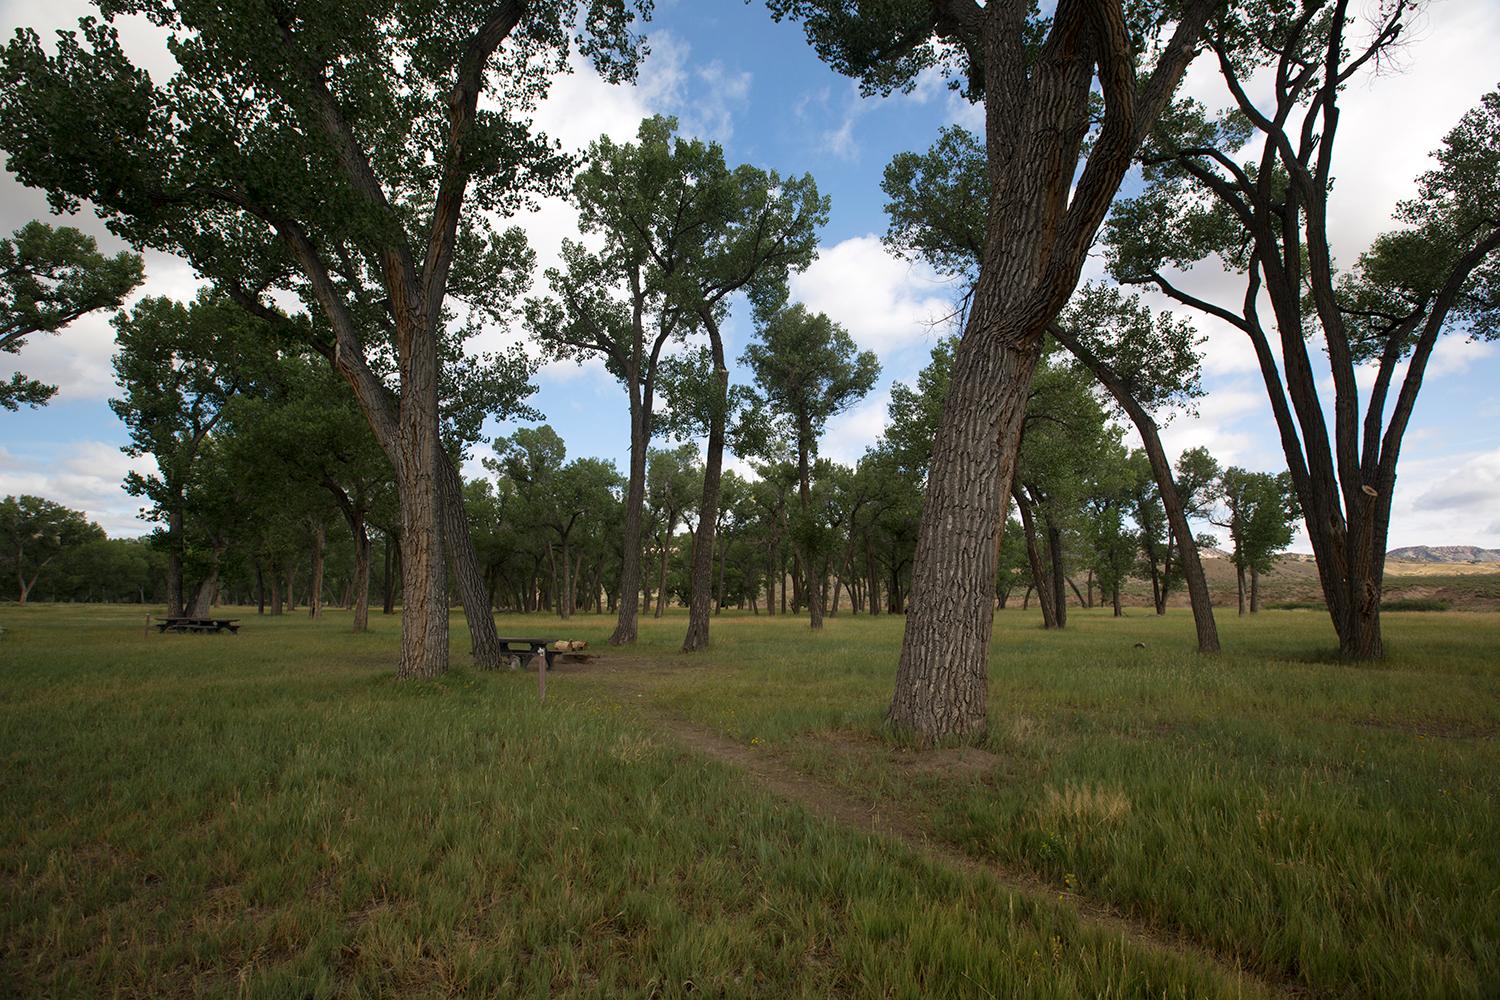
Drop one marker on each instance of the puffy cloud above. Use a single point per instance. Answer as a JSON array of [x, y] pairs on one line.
[[885, 303], [851, 432], [1447, 499], [87, 477]]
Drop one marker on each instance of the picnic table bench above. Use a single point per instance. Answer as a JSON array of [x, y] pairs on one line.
[[188, 624], [524, 649]]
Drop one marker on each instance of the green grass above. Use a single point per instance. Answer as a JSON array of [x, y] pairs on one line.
[[272, 815], [1417, 604], [1329, 822]]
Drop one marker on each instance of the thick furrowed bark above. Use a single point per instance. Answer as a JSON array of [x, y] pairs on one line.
[[941, 683], [459, 545], [424, 586]]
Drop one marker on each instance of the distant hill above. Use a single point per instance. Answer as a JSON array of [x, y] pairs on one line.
[[1444, 554]]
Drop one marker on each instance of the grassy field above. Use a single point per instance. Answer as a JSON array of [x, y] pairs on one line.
[[272, 815]]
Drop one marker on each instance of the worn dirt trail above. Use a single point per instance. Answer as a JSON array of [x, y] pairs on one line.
[[628, 679]]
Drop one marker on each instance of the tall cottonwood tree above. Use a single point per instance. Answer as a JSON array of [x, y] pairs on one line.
[[1267, 218], [1259, 511], [330, 141], [1056, 152], [50, 276], [682, 233], [178, 367], [809, 370]]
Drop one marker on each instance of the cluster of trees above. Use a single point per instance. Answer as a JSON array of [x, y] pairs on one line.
[[336, 174]]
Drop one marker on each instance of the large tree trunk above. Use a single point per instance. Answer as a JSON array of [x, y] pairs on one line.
[[418, 462], [1042, 215], [203, 598], [626, 626], [1254, 590], [701, 588], [812, 588], [260, 588], [1239, 579], [458, 542], [941, 682], [315, 588]]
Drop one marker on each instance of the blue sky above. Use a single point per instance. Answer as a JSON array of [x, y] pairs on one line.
[[732, 75]]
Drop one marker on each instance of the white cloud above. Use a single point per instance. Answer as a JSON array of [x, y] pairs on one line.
[[884, 302], [848, 435], [86, 478], [1454, 355], [1447, 499]]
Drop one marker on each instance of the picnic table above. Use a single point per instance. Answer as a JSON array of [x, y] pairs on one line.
[[189, 624], [524, 649]]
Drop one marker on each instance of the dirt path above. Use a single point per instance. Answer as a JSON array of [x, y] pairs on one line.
[[626, 680]]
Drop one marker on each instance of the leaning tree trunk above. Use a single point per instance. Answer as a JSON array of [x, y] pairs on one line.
[[459, 544], [1239, 579], [1039, 578], [701, 587], [203, 597], [1254, 590], [941, 682], [1166, 485]]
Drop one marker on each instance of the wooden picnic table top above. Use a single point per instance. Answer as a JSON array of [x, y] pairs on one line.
[[528, 642], [192, 618]]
